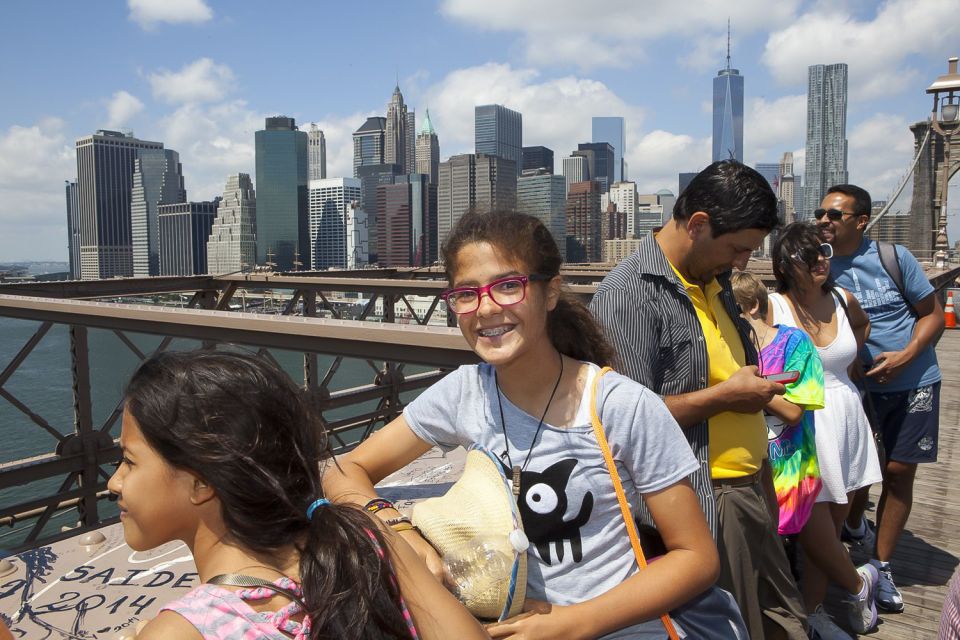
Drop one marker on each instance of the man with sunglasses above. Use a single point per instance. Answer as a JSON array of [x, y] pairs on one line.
[[902, 376], [669, 311]]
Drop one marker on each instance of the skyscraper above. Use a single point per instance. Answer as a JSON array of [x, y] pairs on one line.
[[826, 157], [73, 229], [338, 235], [612, 130], [232, 245], [544, 195], [316, 152], [684, 179], [787, 187], [408, 217], [584, 232], [184, 228], [600, 162], [157, 179], [428, 151], [770, 171], [498, 131], [368, 143], [371, 176], [282, 169], [473, 181], [535, 158], [728, 112], [105, 164], [399, 132], [575, 169], [624, 195]]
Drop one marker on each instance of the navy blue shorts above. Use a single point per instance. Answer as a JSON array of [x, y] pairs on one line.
[[909, 423]]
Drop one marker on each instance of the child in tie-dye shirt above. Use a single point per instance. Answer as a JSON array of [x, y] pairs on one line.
[[790, 425]]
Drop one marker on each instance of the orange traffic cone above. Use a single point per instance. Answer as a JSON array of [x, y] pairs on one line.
[[949, 315]]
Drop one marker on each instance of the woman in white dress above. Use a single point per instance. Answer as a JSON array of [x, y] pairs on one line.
[[808, 299]]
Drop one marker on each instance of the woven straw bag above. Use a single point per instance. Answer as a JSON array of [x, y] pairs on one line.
[[480, 505]]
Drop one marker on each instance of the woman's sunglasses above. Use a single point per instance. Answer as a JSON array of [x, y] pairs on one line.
[[810, 256]]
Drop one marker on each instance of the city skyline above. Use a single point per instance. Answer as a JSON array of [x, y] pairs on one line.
[[182, 75]]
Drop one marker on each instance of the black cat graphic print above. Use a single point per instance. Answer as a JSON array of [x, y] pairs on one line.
[[543, 503]]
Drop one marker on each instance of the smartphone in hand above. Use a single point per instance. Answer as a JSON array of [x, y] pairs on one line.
[[783, 378]]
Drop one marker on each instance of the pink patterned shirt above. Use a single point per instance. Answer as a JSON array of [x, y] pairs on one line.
[[221, 614]]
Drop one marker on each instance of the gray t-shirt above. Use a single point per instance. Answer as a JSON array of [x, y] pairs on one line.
[[579, 547]]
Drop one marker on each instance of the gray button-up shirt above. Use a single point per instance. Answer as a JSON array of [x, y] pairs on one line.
[[651, 322]]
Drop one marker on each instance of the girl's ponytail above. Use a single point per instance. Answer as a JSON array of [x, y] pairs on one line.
[[574, 332], [349, 586]]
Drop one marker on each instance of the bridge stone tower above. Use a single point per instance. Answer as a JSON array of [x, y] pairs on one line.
[[927, 184]]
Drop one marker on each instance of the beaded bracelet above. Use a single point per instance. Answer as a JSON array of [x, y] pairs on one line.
[[377, 504]]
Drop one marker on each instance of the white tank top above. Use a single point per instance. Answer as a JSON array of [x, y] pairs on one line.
[[836, 356]]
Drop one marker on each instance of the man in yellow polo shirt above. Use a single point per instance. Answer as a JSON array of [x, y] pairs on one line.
[[670, 312]]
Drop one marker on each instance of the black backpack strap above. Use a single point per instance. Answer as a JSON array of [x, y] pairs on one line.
[[891, 264], [842, 300]]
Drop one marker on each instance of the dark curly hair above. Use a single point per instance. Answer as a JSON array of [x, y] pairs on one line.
[[257, 439]]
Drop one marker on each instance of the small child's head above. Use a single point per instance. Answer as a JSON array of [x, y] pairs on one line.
[[237, 425], [520, 244], [750, 293]]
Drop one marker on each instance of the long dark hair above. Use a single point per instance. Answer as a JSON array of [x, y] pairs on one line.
[[798, 239], [257, 439], [571, 327]]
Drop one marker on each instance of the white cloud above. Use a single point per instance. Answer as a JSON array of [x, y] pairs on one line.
[[880, 152], [576, 32], [149, 13], [657, 158], [200, 81], [877, 51], [213, 141], [34, 161], [121, 108], [772, 127], [556, 113]]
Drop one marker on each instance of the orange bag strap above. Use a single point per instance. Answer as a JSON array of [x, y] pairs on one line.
[[621, 496]]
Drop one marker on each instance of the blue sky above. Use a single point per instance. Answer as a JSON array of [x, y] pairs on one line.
[[200, 75]]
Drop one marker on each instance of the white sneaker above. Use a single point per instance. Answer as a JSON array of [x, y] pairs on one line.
[[823, 627], [888, 596], [865, 539], [862, 611]]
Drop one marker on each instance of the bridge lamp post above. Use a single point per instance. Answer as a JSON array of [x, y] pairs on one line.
[[945, 120]]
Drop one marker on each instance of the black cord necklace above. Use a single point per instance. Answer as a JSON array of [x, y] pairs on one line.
[[503, 427]]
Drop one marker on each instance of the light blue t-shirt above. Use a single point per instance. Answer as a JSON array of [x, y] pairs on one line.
[[891, 317], [579, 546]]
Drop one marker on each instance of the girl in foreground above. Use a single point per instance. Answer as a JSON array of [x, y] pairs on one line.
[[220, 450], [806, 298], [528, 403]]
